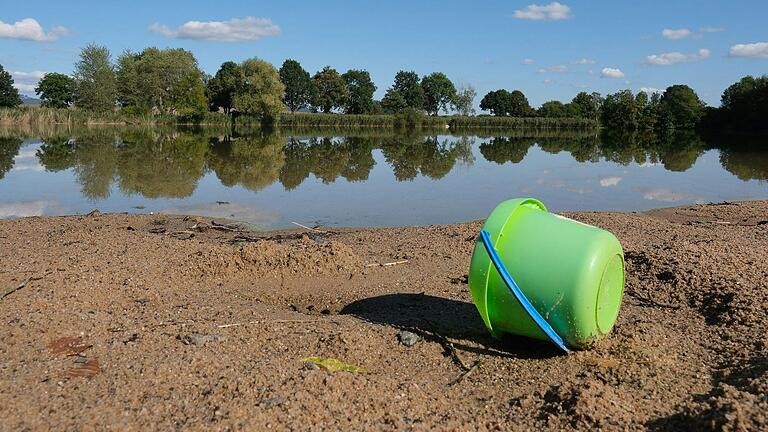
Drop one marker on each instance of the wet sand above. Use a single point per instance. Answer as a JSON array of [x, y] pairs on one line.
[[168, 322]]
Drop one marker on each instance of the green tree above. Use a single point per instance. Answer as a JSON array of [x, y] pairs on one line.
[[744, 107], [330, 90], [156, 80], [188, 97], [588, 104], [298, 85], [95, 79], [504, 103], [465, 96], [408, 85], [260, 93], [681, 106], [393, 102], [56, 90], [553, 109], [439, 92], [360, 91], [620, 111], [9, 95], [222, 87]]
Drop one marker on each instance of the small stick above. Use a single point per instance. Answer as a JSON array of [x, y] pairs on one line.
[[467, 373], [308, 228], [387, 264], [271, 321], [10, 291]]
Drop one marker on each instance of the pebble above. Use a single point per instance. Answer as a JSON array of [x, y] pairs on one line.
[[273, 402], [407, 338]]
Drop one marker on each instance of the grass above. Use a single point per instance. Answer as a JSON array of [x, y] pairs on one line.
[[35, 116]]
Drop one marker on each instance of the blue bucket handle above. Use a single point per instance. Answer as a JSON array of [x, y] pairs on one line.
[[518, 293]]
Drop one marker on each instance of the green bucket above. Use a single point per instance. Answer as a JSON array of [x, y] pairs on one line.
[[571, 272]]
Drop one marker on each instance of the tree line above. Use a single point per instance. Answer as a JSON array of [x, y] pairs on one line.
[[170, 82], [677, 107]]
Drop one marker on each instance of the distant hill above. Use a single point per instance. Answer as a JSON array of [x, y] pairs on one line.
[[29, 100]]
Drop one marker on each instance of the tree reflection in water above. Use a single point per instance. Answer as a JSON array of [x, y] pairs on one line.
[[169, 163]]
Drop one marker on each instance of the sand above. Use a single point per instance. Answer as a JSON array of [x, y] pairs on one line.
[[167, 322]]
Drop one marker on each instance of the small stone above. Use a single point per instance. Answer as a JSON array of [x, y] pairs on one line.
[[273, 402], [308, 365], [81, 359], [407, 338]]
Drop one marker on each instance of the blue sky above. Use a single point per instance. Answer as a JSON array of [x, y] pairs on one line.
[[621, 44]]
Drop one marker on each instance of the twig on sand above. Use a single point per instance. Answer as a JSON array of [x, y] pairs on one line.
[[450, 350], [10, 291], [387, 264], [466, 373], [308, 228], [224, 227], [270, 322]]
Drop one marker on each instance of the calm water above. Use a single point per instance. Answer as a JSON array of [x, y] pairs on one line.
[[366, 178]]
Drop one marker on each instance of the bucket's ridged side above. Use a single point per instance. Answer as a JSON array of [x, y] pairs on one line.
[[480, 267]]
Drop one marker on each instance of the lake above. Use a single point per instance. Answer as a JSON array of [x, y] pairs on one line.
[[365, 178]]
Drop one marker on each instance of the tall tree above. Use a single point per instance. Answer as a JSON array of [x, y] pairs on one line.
[[588, 104], [330, 90], [260, 92], [222, 87], [519, 105], [393, 102], [150, 81], [681, 106], [503, 103], [9, 95], [188, 96], [360, 91], [56, 90], [439, 92], [408, 85], [298, 85], [552, 109], [95, 79], [464, 100], [620, 111]]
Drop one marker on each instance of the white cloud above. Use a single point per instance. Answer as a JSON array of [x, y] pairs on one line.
[[30, 29], [667, 195], [24, 208], [234, 30], [711, 29], [554, 69], [683, 33], [33, 75], [650, 90], [527, 61], [754, 50], [552, 12], [584, 61], [547, 81], [25, 88], [671, 58], [27, 81], [610, 181], [611, 73]]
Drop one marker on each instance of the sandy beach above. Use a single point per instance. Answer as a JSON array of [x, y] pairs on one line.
[[163, 322]]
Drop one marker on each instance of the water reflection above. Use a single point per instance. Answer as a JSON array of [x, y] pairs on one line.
[[169, 163]]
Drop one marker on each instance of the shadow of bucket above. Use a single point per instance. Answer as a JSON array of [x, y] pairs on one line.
[[571, 272]]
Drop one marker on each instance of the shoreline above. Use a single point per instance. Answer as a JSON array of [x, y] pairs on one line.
[[189, 322]]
